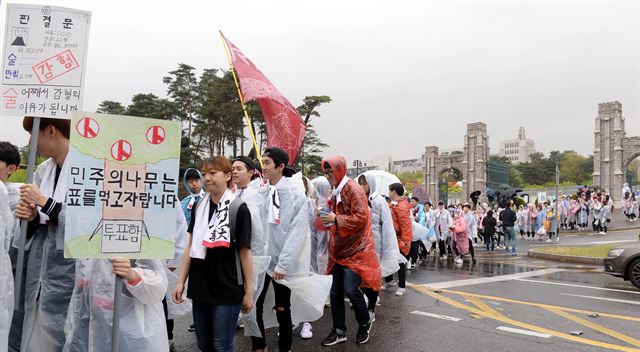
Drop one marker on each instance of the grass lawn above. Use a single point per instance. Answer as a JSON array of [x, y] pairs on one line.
[[579, 251]]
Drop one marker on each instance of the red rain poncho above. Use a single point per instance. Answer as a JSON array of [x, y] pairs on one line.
[[402, 223], [351, 243]]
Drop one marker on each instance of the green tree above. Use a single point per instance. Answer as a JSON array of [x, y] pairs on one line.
[[149, 105], [181, 87], [408, 179], [111, 107], [311, 157], [219, 118], [307, 110]]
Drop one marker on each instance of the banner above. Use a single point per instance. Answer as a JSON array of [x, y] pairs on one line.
[[45, 50], [122, 190], [285, 128]]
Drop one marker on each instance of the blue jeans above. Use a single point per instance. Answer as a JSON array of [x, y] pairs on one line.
[[510, 238], [215, 326], [347, 282]]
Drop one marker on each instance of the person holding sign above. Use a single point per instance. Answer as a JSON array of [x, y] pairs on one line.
[[9, 163], [218, 262], [142, 322], [49, 275]]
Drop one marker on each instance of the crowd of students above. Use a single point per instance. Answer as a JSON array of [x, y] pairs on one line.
[[247, 235]]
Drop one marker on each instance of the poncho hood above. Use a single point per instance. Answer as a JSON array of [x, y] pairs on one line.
[[338, 165]]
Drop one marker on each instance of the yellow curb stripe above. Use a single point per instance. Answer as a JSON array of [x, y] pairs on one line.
[[521, 324], [596, 327], [484, 307], [539, 305]]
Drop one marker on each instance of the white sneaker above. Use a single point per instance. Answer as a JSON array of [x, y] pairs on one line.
[[557, 239], [307, 331], [459, 260], [549, 241], [602, 232], [372, 317], [401, 292], [378, 301], [444, 257], [391, 283]]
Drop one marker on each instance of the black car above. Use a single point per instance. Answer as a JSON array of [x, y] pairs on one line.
[[624, 261]]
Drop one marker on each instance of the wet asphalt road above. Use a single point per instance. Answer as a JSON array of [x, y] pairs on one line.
[[476, 307]]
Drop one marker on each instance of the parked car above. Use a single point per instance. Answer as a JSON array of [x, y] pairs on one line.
[[624, 262]]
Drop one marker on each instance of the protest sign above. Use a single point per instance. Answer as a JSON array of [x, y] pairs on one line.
[[122, 187], [44, 56]]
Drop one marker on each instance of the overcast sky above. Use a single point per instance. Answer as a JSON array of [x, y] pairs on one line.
[[402, 75]]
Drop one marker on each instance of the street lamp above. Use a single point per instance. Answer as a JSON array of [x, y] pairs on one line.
[[357, 164]]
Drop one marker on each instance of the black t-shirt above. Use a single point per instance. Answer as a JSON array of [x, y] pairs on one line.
[[214, 280], [508, 217]]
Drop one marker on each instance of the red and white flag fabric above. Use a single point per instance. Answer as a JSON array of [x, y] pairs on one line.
[[285, 128]]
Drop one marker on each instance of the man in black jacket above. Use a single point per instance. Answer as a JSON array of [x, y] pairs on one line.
[[508, 218]]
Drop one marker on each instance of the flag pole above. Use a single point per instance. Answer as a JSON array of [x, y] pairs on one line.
[[244, 107]]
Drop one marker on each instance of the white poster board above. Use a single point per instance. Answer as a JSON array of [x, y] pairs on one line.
[[43, 62]]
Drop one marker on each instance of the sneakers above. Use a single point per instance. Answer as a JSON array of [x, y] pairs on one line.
[[549, 241], [378, 301], [336, 337], [191, 328], [391, 283], [372, 316], [307, 331], [400, 292], [557, 238], [444, 257], [363, 333], [459, 260]]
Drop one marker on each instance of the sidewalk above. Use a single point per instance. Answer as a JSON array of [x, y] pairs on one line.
[[618, 222]]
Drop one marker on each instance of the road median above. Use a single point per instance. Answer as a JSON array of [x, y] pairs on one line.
[[588, 254]]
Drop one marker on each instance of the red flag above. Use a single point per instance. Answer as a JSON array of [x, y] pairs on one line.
[[285, 128]]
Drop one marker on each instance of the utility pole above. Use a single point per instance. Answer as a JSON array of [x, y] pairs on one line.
[[357, 164], [557, 200]]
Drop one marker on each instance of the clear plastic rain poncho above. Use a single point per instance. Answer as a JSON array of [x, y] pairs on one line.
[[181, 240], [351, 243], [142, 321], [319, 233], [6, 277], [50, 276], [384, 235], [443, 222], [289, 248], [253, 198]]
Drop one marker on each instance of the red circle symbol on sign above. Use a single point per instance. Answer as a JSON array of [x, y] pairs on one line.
[[156, 135], [88, 127], [121, 150]]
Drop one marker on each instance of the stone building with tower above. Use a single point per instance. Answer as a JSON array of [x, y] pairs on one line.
[[613, 151]]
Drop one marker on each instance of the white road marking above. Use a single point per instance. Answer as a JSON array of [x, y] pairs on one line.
[[611, 242], [524, 332], [438, 316], [635, 303], [580, 286], [484, 280]]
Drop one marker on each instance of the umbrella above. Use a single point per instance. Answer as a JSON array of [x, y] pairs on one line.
[[383, 180]]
